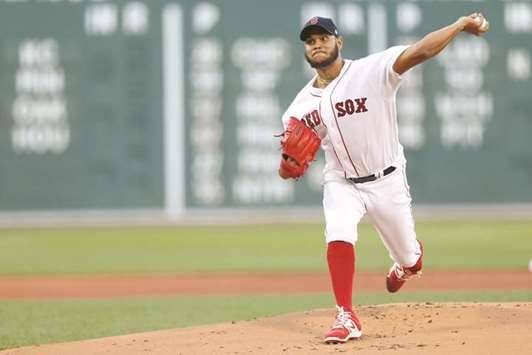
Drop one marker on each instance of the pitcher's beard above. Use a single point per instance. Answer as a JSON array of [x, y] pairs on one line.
[[324, 63]]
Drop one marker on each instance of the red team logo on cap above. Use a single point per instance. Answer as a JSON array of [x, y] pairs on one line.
[[314, 20]]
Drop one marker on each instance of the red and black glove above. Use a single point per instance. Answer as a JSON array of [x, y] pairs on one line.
[[299, 145]]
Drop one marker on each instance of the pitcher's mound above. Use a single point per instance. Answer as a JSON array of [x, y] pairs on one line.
[[439, 328]]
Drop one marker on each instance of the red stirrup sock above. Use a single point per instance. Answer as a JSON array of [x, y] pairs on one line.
[[341, 260]]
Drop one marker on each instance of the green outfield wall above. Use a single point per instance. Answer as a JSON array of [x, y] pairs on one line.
[[173, 105]]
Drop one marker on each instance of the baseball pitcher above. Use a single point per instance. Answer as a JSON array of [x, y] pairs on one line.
[[349, 109]]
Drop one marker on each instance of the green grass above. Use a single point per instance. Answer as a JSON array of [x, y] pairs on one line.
[[251, 248], [38, 322]]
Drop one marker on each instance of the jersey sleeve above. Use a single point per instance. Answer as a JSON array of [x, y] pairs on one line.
[[291, 110], [385, 62]]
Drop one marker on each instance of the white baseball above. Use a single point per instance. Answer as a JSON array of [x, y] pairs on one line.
[[530, 265], [484, 25]]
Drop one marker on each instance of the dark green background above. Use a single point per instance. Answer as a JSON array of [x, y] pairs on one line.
[[114, 98]]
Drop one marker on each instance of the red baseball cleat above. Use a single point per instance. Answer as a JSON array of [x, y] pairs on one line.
[[398, 275], [347, 326]]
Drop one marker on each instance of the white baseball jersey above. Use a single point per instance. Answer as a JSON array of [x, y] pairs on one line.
[[355, 115]]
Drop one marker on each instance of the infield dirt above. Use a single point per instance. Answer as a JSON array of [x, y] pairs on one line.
[[446, 328], [96, 286]]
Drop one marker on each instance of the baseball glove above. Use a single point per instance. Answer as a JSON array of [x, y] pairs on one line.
[[299, 145]]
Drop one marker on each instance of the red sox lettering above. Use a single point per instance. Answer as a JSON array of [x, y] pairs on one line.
[[347, 107], [312, 119]]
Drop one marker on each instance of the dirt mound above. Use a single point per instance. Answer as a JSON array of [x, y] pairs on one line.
[[441, 328]]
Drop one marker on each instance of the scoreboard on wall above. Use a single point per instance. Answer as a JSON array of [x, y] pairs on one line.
[[173, 104]]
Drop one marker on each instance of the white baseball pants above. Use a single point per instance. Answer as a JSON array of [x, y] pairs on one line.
[[387, 202]]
